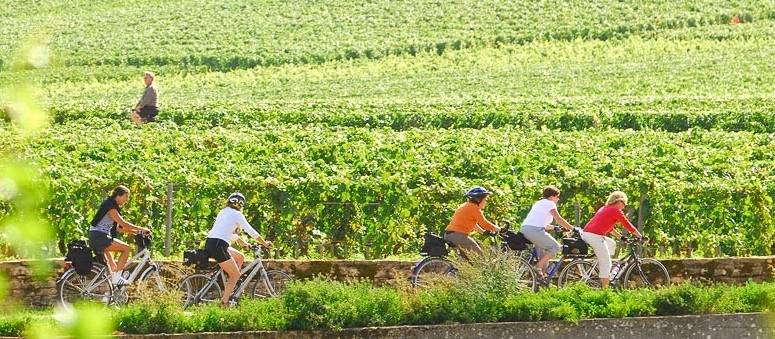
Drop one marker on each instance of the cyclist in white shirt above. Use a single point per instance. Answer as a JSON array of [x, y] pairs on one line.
[[229, 221], [538, 222]]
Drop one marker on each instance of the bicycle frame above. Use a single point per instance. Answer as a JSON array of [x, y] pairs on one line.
[[255, 267], [553, 268], [450, 249], [630, 259], [143, 258], [142, 261]]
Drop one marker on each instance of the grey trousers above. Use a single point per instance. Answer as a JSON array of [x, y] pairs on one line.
[[463, 242], [541, 239]]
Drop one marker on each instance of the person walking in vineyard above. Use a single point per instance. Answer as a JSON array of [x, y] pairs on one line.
[[538, 222], [218, 244], [105, 227], [148, 107], [467, 218], [602, 223]]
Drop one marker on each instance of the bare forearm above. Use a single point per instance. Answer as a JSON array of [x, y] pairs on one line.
[[241, 242], [263, 241], [130, 228], [560, 220]]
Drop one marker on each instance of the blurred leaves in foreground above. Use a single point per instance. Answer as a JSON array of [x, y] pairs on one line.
[[24, 195]]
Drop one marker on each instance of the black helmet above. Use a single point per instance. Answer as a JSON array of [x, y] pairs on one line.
[[236, 200]]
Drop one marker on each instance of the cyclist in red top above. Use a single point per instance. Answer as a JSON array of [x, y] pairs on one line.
[[596, 231]]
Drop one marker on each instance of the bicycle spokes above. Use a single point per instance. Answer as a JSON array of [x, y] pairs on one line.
[[432, 269], [646, 273]]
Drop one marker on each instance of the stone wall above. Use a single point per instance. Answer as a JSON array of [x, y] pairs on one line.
[[24, 288], [720, 326]]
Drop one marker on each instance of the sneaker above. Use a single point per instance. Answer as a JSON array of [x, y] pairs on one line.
[[230, 304]]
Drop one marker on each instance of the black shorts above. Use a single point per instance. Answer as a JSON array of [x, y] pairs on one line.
[[98, 241], [217, 249], [148, 113]]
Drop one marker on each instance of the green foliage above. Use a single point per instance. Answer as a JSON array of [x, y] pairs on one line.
[[158, 315], [388, 187], [233, 34], [327, 305], [367, 121], [324, 304], [13, 326], [675, 86]]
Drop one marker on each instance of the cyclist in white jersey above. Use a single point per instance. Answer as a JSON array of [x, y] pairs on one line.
[[229, 221]]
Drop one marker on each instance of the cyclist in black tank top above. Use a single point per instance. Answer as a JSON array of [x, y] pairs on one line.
[[105, 227]]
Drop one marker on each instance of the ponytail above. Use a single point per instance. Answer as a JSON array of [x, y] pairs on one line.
[[119, 191]]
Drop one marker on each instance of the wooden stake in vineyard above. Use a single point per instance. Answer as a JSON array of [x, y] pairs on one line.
[[168, 221]]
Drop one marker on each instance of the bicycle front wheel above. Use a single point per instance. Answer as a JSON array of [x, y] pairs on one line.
[[431, 269], [646, 273], [197, 288], [579, 271], [152, 278], [274, 284], [93, 286]]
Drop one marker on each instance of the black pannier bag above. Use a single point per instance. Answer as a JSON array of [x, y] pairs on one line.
[[515, 241], [79, 255], [434, 246], [196, 258], [574, 247]]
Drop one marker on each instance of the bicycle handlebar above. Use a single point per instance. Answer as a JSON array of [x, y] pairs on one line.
[[635, 240], [506, 226], [257, 248]]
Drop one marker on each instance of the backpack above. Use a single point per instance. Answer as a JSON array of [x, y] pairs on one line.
[[515, 241], [574, 247], [197, 258], [434, 246], [80, 256]]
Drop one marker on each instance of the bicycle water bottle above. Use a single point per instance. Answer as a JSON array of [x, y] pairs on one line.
[[615, 270]]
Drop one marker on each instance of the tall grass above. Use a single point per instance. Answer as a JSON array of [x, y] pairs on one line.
[[482, 292]]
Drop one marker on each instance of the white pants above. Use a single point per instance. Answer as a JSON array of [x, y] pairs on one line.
[[604, 247]]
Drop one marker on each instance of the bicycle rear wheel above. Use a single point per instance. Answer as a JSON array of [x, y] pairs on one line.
[[527, 278], [197, 288], [647, 273], [579, 270], [277, 279], [94, 286], [431, 269]]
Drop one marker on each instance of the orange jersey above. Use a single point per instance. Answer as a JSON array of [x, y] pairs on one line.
[[466, 217]]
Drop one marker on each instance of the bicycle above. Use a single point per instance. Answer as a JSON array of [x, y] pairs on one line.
[[96, 285], [436, 265], [629, 273], [199, 287], [564, 276]]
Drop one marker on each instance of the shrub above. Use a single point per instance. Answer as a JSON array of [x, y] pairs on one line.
[[323, 304]]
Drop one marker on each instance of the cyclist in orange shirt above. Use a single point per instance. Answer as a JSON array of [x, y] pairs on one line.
[[468, 218]]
